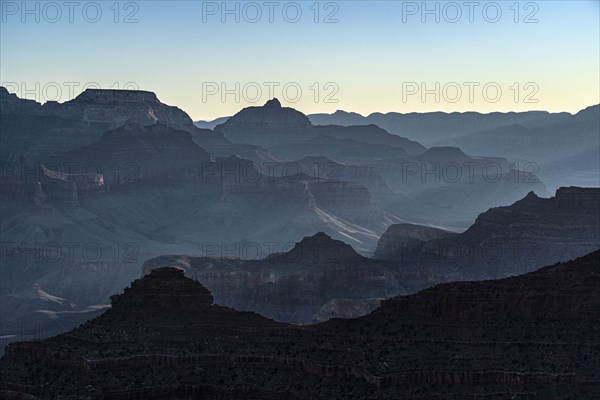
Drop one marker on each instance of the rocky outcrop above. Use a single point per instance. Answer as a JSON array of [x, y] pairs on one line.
[[164, 288], [58, 187], [515, 239], [10, 103], [530, 337], [67, 188], [295, 285], [284, 129], [400, 239], [35, 132], [268, 125], [113, 108]]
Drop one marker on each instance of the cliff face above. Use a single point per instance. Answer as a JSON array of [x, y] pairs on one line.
[[10, 103], [113, 108], [33, 132], [532, 336], [266, 126], [514, 239], [135, 153], [400, 239], [129, 155]]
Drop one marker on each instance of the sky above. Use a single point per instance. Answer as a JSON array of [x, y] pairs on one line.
[[213, 58]]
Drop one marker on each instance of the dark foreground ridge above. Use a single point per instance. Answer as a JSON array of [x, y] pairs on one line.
[[527, 337]]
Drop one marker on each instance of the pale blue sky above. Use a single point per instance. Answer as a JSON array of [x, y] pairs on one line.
[[371, 55]]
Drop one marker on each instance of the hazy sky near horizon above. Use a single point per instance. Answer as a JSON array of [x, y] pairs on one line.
[[213, 58]]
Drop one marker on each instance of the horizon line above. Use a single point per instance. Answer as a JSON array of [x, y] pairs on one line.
[[317, 113]]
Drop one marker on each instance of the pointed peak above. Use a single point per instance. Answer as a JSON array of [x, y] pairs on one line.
[[319, 238], [273, 103], [528, 200], [320, 248], [321, 235], [531, 195]]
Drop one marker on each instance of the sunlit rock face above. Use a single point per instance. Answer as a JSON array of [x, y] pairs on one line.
[[163, 338]]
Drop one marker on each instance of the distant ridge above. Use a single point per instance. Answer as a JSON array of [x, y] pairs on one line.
[[272, 126]]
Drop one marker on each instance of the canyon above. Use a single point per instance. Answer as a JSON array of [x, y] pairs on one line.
[[95, 186], [533, 336]]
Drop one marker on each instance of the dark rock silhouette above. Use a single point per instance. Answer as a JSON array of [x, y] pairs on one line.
[[318, 276], [530, 336], [509, 240]]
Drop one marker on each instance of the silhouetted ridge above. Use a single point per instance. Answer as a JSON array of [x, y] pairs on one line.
[[530, 200], [590, 113], [164, 288], [321, 247], [444, 154], [273, 103], [534, 335], [115, 95], [268, 125], [563, 291]]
